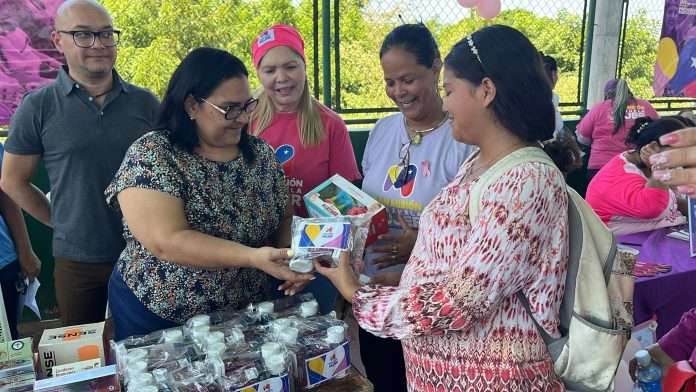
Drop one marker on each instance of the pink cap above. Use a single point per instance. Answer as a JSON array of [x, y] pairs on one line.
[[278, 35]]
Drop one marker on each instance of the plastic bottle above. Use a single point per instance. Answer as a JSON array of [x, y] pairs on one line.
[[335, 336], [201, 319], [648, 374], [269, 349], [265, 307], [275, 364], [173, 336], [309, 309]]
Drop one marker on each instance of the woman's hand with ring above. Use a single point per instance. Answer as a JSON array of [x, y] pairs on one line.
[[397, 248]]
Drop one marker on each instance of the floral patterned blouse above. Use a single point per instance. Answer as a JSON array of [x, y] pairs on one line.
[[456, 311], [234, 200]]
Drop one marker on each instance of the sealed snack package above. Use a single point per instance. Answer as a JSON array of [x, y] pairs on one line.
[[324, 239]]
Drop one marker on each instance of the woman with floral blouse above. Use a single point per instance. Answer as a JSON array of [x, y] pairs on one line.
[[455, 307], [200, 200]]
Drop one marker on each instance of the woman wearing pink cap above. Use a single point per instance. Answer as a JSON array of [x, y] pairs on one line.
[[311, 141]]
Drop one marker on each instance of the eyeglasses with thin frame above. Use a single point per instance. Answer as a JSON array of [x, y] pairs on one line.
[[233, 112], [86, 39]]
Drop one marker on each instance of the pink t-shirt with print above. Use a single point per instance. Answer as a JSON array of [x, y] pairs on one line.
[[307, 167], [597, 128], [619, 196]]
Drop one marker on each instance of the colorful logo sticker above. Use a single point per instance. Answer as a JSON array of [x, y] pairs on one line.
[[401, 178], [284, 156], [327, 235], [276, 384], [327, 366], [265, 37]]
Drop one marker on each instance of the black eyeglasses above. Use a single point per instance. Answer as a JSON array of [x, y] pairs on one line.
[[233, 112], [86, 39], [404, 164]]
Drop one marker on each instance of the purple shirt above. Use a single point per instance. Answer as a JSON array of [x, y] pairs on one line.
[[680, 342]]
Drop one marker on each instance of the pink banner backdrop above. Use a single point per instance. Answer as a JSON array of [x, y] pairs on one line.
[[675, 68], [28, 58]]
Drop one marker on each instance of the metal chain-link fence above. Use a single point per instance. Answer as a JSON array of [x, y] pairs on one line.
[[555, 27]]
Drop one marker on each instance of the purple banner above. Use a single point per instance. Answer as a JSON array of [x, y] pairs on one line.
[[28, 58]]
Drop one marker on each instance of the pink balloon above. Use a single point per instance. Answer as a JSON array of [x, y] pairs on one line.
[[468, 3], [488, 9]]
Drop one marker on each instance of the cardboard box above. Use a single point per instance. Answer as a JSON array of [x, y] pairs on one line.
[[101, 379], [16, 358], [61, 346], [337, 196], [75, 367]]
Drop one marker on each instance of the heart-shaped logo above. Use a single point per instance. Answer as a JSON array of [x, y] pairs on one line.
[[284, 153], [401, 178]]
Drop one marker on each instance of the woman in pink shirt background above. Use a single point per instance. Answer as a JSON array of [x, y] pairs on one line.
[[310, 141], [624, 195], [606, 125]]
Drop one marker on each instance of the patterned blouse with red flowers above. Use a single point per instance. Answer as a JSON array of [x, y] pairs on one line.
[[456, 309]]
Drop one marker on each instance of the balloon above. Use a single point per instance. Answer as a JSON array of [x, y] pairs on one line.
[[488, 9], [468, 3], [667, 57]]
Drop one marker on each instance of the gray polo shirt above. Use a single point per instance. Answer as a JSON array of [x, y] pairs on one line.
[[82, 146]]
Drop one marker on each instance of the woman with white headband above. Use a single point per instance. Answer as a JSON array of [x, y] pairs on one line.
[[456, 307]]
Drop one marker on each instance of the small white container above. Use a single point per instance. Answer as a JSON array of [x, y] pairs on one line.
[[201, 319], [336, 334], [270, 349], [275, 364], [309, 308], [200, 332], [173, 336], [289, 335], [265, 307]]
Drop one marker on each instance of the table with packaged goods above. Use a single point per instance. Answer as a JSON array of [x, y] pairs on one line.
[[272, 346]]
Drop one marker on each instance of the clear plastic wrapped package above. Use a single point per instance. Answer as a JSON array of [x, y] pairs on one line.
[[324, 239], [275, 346]]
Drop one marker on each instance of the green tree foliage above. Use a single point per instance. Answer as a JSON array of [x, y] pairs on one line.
[[639, 54], [159, 33]]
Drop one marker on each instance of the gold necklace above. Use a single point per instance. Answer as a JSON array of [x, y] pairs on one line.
[[418, 137]]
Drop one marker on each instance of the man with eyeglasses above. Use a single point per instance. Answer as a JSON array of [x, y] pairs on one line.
[[79, 127]]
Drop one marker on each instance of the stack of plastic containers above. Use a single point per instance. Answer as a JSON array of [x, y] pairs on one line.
[[278, 346]]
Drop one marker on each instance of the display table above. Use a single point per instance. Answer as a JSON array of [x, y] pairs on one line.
[[666, 295]]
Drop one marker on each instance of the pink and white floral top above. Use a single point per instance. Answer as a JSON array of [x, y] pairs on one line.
[[456, 310]]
